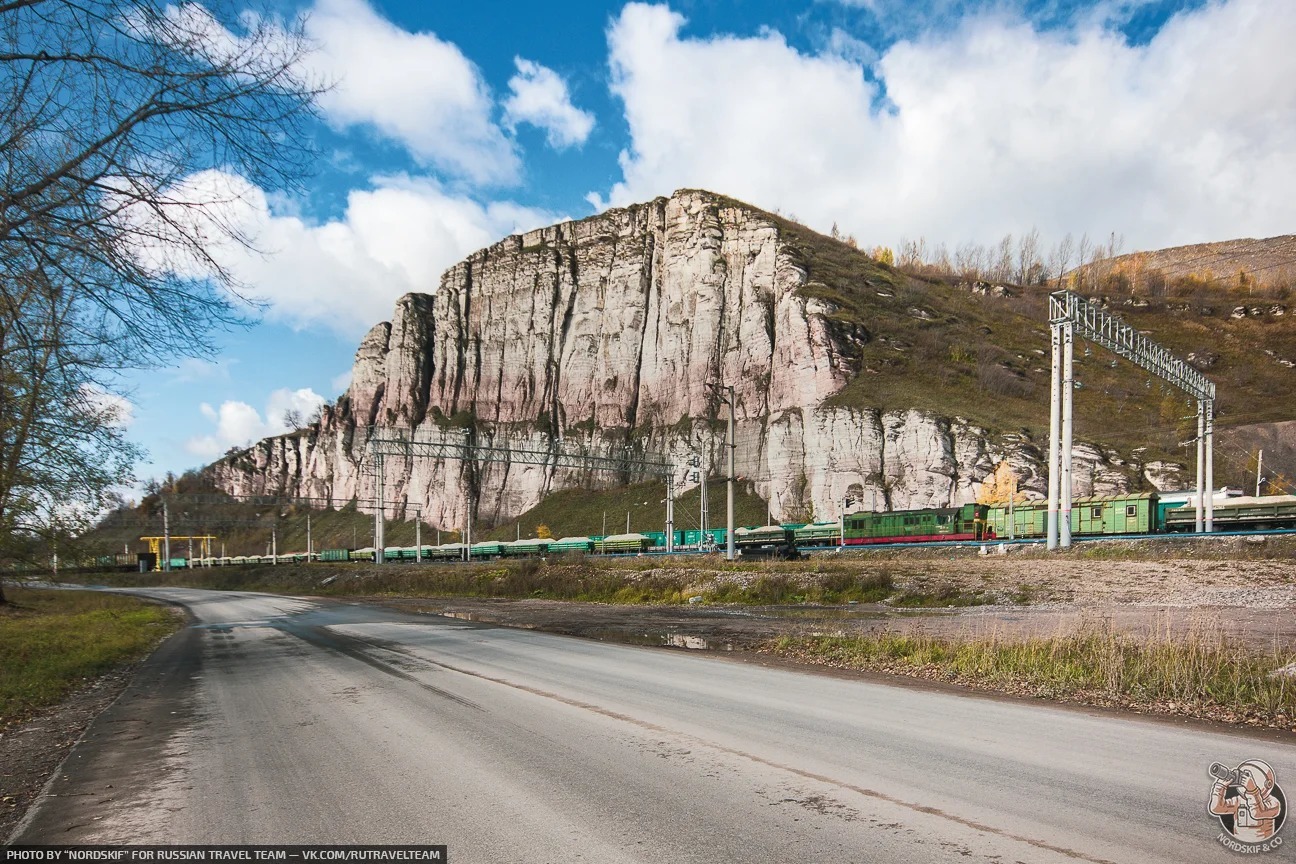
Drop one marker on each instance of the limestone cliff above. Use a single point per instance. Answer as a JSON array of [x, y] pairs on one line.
[[607, 331]]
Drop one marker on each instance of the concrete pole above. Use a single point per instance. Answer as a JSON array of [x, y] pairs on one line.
[[166, 538], [733, 445], [1209, 514], [670, 513], [1201, 462], [1068, 427], [274, 544], [1055, 429], [706, 467], [1259, 471], [418, 536], [380, 540], [309, 547]]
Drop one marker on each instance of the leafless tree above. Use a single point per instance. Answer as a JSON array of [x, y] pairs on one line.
[[110, 113], [1028, 258]]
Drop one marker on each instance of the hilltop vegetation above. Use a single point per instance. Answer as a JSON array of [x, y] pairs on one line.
[[967, 336]]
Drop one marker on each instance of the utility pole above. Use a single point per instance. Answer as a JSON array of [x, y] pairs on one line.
[[732, 444], [274, 544], [309, 549], [670, 512], [706, 466], [166, 537], [418, 536], [1055, 433], [1259, 471], [380, 552]]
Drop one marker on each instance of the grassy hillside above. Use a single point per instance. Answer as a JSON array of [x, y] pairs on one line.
[[928, 342], [581, 512]]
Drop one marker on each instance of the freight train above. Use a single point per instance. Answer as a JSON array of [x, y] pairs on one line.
[[1099, 516]]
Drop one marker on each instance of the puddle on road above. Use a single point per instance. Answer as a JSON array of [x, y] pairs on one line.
[[658, 639]]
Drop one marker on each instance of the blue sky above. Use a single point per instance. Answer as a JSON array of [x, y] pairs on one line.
[[451, 125]]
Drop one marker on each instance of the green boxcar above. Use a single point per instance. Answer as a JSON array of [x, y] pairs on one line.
[[1028, 520], [1094, 516], [1114, 514], [178, 563], [335, 555]]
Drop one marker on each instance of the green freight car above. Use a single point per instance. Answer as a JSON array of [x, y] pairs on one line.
[[335, 555], [571, 544], [623, 543], [1096, 515], [1238, 514], [818, 534]]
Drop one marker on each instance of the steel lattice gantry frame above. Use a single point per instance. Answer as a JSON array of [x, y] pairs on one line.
[[1069, 315], [412, 444]]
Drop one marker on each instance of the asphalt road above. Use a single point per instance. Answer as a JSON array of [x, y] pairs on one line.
[[277, 720]]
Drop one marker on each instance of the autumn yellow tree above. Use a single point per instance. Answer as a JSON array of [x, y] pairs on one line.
[[1000, 486]]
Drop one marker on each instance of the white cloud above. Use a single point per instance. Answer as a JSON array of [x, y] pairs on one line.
[[414, 88], [540, 97], [987, 128], [344, 274], [239, 424]]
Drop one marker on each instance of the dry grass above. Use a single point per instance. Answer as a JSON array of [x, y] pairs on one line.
[[1198, 673], [52, 641]]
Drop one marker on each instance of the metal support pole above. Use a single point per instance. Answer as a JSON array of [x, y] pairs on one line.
[[1209, 443], [165, 563], [309, 548], [670, 513], [1068, 426], [1055, 428], [733, 445], [418, 536], [274, 544], [1201, 462], [1259, 471], [380, 541]]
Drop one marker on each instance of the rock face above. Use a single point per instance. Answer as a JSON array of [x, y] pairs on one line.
[[606, 332]]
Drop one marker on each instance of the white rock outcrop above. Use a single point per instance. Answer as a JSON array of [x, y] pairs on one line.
[[605, 332]]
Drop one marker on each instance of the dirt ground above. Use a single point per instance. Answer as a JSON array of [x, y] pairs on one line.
[[1250, 600]]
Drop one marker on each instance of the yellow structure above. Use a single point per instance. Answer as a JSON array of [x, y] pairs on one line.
[[155, 546]]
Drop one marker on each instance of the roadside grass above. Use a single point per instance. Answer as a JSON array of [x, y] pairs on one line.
[[1199, 673], [52, 640], [588, 579]]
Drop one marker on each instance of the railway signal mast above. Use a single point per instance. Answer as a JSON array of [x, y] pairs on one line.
[[1071, 315]]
